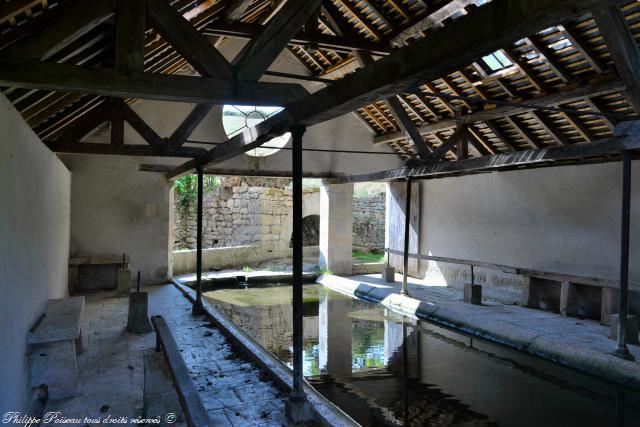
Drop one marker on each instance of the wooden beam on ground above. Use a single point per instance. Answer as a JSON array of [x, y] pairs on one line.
[[76, 21], [141, 127], [189, 124], [130, 29], [451, 48], [602, 87], [184, 37], [409, 128], [429, 21], [258, 55], [108, 82], [75, 147], [623, 48], [551, 156]]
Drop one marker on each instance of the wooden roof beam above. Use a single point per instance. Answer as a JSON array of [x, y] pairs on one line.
[[108, 82], [546, 157], [453, 47], [430, 20], [409, 128], [581, 47], [76, 21], [623, 48], [186, 39], [258, 55], [604, 86]]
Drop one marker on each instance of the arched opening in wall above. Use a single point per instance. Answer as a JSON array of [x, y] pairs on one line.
[[310, 231]]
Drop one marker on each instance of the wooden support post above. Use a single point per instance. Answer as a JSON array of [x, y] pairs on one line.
[[407, 229], [197, 305], [621, 349]]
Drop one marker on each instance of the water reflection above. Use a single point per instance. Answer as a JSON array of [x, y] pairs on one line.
[[383, 369]]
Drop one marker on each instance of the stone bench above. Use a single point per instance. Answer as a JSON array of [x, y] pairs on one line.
[[54, 341]]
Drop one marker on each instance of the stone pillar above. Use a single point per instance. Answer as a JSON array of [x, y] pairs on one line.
[[336, 227]]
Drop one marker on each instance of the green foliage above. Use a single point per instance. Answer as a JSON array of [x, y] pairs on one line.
[[247, 269], [186, 188], [368, 256], [324, 270]]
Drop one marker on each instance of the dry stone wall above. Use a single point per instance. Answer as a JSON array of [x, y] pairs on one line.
[[249, 214], [368, 221]]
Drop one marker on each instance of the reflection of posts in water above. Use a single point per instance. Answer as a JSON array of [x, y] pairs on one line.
[[400, 334], [334, 336]]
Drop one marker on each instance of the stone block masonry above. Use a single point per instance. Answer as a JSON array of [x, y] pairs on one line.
[[254, 213], [368, 221]]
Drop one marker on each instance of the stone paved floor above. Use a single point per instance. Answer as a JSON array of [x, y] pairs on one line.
[[234, 392]]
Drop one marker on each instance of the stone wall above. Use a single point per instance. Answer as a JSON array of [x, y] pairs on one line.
[[368, 221], [235, 216], [243, 212]]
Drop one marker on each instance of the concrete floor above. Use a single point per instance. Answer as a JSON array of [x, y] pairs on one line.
[[234, 391], [582, 344]]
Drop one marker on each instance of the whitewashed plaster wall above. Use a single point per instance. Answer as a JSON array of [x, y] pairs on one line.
[[34, 245], [562, 219]]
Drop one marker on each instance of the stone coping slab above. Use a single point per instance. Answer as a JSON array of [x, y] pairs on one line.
[[327, 413], [580, 344], [62, 321], [230, 276]]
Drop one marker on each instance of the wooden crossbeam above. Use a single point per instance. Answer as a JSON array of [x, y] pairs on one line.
[[550, 156], [76, 21], [623, 48], [256, 57], [108, 82], [183, 36], [75, 147], [141, 127], [453, 47], [603, 86], [407, 126], [189, 124], [430, 20], [246, 30]]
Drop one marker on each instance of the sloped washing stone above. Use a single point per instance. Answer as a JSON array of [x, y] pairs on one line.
[[579, 344]]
